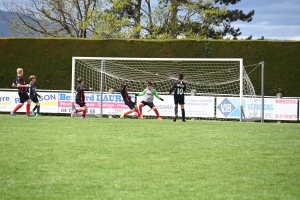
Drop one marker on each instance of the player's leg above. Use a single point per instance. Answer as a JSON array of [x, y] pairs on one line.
[[131, 107], [35, 100], [175, 110], [81, 109], [84, 111], [28, 107], [182, 111], [19, 105], [141, 105], [37, 104], [137, 111], [151, 105]]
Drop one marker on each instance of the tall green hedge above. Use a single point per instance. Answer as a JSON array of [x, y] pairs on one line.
[[50, 59]]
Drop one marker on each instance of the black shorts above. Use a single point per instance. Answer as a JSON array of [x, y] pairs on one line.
[[34, 99], [179, 100], [151, 105], [80, 103], [23, 97], [130, 104]]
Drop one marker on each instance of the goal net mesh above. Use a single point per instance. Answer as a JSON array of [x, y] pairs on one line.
[[203, 78]]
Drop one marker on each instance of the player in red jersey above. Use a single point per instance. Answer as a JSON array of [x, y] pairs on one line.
[[80, 98], [20, 84], [127, 101]]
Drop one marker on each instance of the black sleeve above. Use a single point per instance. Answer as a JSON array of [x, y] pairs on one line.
[[184, 87], [118, 89], [79, 87], [124, 88], [18, 80], [172, 88]]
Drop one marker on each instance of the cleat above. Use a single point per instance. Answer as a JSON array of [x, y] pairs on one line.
[[30, 115], [13, 114], [183, 121], [73, 113], [159, 118], [141, 117], [82, 117], [174, 119], [38, 115], [122, 116], [32, 112]]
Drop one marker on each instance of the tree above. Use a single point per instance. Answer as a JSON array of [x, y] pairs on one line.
[[51, 18], [233, 16], [204, 19]]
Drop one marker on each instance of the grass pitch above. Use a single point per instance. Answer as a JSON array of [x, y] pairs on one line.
[[52, 157]]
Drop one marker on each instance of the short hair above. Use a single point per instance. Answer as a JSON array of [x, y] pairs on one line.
[[149, 83], [31, 77], [19, 70], [180, 76], [79, 80], [123, 83]]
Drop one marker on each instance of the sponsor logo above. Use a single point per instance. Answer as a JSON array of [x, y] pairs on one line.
[[226, 107]]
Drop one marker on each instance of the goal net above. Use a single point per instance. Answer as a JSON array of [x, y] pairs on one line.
[[225, 81]]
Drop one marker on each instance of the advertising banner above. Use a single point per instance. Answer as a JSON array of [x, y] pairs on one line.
[[195, 106], [284, 109], [274, 109], [113, 104], [198, 106], [228, 107], [48, 102]]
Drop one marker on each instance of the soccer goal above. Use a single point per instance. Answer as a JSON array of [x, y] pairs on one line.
[[226, 80]]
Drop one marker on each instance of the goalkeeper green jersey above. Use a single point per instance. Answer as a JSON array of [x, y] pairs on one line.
[[149, 95]]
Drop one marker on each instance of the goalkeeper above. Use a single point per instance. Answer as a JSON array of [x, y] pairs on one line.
[[149, 94], [127, 100]]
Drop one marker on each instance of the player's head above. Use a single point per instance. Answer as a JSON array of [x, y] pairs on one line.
[[123, 82], [32, 78], [180, 76], [80, 80], [149, 85], [20, 71]]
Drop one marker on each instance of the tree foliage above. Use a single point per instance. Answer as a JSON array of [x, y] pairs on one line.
[[204, 19]]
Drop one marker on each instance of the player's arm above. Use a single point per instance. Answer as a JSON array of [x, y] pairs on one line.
[[172, 88], [87, 89], [142, 93], [14, 84], [157, 96], [19, 85]]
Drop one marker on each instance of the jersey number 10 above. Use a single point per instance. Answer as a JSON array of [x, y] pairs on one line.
[[179, 91]]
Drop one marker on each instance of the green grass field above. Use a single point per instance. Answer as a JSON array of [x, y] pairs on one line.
[[64, 158]]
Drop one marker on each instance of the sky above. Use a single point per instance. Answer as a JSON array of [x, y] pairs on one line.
[[273, 19]]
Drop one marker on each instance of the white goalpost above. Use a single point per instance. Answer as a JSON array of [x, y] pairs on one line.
[[208, 77]]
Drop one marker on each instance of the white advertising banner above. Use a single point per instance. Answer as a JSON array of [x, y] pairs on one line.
[[195, 106], [198, 106], [284, 109], [113, 104], [274, 109], [48, 102]]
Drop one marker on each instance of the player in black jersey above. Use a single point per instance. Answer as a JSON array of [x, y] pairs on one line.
[[179, 88], [34, 96], [20, 84], [80, 98], [127, 100]]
